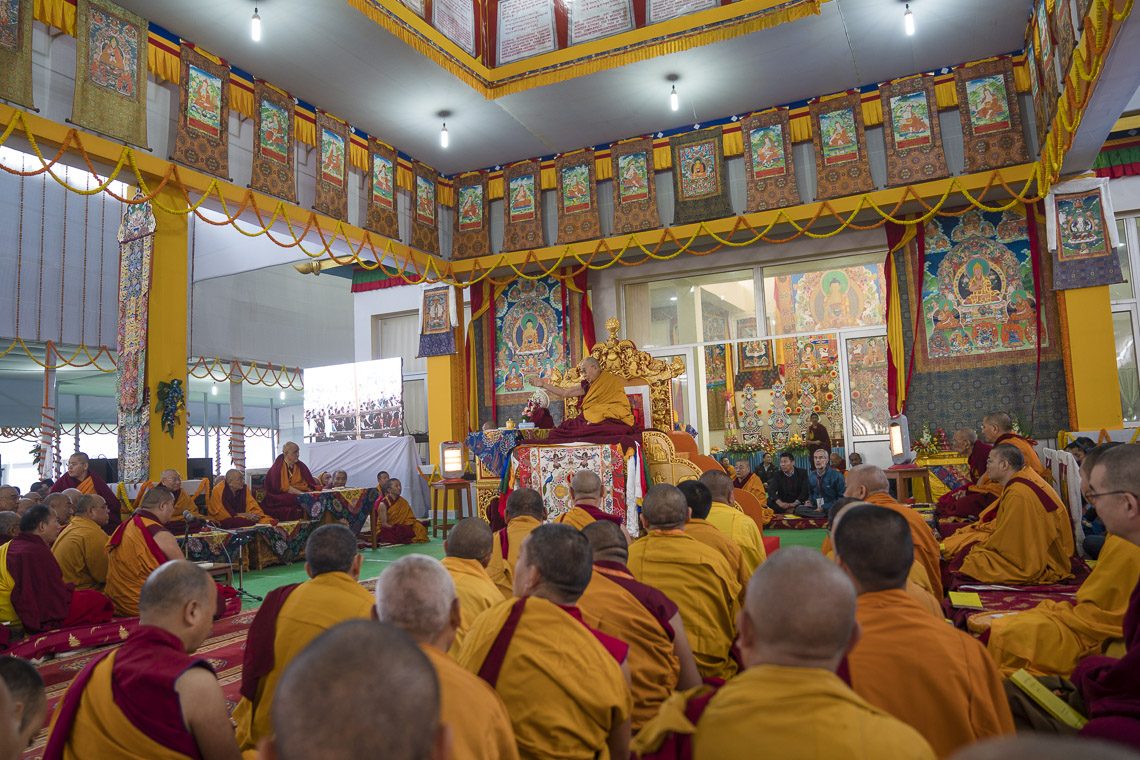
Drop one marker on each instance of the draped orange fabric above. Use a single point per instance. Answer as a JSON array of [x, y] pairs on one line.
[[217, 512], [477, 717], [130, 563], [606, 400], [81, 551], [87, 485], [1032, 461], [400, 513], [710, 535], [743, 530], [476, 592], [502, 565]]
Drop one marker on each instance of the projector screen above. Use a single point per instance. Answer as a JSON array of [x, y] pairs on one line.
[[350, 401]]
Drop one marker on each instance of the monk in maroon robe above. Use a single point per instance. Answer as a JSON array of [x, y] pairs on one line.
[[606, 415], [969, 500], [287, 479], [79, 478]]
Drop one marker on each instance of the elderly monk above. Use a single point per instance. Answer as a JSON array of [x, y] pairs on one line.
[[78, 476], [81, 547], [61, 505], [797, 624], [398, 523], [138, 547], [171, 480], [694, 575], [565, 685], [605, 415], [28, 697], [33, 594], [287, 478], [9, 495], [586, 493], [231, 504], [1051, 638], [699, 499], [291, 617], [468, 549], [1026, 538], [948, 689], [738, 526], [969, 500], [997, 428], [329, 707], [149, 698], [415, 594], [525, 512], [660, 658], [869, 483], [10, 526]]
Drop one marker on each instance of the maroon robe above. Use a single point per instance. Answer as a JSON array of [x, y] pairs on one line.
[[66, 481], [1111, 687], [818, 432], [599, 514], [962, 502], [234, 503], [280, 504], [40, 597], [257, 662], [653, 600]]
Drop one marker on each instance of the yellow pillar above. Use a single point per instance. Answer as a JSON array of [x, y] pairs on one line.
[[447, 392], [167, 327], [1090, 359]]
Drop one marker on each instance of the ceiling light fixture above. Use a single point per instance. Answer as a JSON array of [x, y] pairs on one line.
[[281, 395], [674, 102], [443, 139], [255, 27], [908, 21], [213, 390]]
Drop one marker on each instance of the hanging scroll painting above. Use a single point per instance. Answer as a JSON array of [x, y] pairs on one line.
[[273, 156], [522, 207], [991, 118], [577, 198], [841, 161], [1081, 234], [912, 131], [700, 188], [382, 217], [471, 237], [1064, 36], [437, 328], [202, 138], [425, 230], [1036, 91], [530, 339], [110, 71], [1044, 38], [635, 197], [16, 51], [332, 171], [769, 168]]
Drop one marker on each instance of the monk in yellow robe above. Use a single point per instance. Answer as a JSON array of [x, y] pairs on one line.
[[231, 504], [148, 698], [586, 494], [81, 547], [136, 549], [738, 526], [468, 548], [291, 617], [797, 624], [660, 658], [565, 685], [997, 428], [700, 502], [695, 576], [415, 594], [525, 512], [605, 414], [171, 480], [946, 688], [398, 523], [288, 478], [1026, 538]]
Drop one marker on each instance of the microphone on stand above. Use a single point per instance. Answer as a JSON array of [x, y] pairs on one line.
[[187, 516]]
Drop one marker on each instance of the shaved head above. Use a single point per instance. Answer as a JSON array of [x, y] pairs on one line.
[[607, 540], [155, 497], [664, 507], [88, 502], [1009, 454], [719, 485], [9, 523], [1092, 456], [27, 689], [470, 538], [875, 545], [525, 501], [327, 706], [172, 585], [586, 485], [416, 594], [60, 504], [563, 560], [1121, 467], [698, 497], [868, 476], [1001, 420], [966, 434], [330, 549]]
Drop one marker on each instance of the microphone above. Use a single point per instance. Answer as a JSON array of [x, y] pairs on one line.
[[186, 517]]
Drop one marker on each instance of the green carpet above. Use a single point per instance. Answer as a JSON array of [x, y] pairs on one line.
[[811, 538]]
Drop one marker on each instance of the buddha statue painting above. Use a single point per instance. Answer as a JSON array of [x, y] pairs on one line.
[[835, 309], [529, 340]]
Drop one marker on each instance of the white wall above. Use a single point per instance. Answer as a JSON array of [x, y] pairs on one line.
[[372, 303]]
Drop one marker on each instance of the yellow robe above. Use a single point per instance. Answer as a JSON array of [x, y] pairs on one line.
[[755, 486], [128, 567], [81, 551], [710, 535], [702, 584], [216, 510], [1023, 544], [564, 691], [946, 687], [743, 530], [1053, 636], [502, 570], [576, 518], [476, 592], [606, 400], [401, 513], [1032, 461], [310, 609], [478, 720]]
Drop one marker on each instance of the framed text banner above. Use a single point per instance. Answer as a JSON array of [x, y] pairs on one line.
[[635, 196], [522, 207], [770, 171], [110, 71], [382, 217], [471, 236], [425, 226], [700, 187], [577, 197], [16, 51], [991, 117], [274, 164], [841, 165], [202, 141], [912, 132], [332, 170]]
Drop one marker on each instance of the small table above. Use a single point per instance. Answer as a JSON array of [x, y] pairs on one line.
[[219, 571], [441, 499], [903, 477]]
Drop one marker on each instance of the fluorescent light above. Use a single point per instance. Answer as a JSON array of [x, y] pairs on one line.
[[674, 102], [672, 298], [908, 21], [255, 27], [443, 140], [281, 395], [213, 390]]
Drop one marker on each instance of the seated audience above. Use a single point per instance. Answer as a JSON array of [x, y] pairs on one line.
[[231, 504], [81, 547], [171, 480], [699, 499], [525, 512], [586, 494], [9, 495], [660, 658], [755, 482], [325, 480], [825, 484], [788, 488], [78, 476], [10, 526], [1079, 447], [855, 459], [946, 688], [415, 594], [767, 469], [997, 428], [328, 707], [381, 478], [398, 523], [137, 548], [339, 479], [287, 479], [695, 576], [23, 505], [970, 499], [149, 697], [28, 698], [604, 415], [838, 463], [292, 616], [61, 505], [565, 685], [468, 548], [739, 527]]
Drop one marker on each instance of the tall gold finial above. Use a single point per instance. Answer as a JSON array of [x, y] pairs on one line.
[[613, 324]]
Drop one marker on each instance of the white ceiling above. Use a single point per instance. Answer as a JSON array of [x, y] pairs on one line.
[[327, 53]]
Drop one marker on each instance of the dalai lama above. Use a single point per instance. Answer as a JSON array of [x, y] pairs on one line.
[[606, 416]]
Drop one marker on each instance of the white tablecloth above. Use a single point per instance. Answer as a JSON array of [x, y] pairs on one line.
[[363, 459]]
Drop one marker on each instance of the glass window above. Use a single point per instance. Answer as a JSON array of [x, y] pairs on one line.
[[1126, 365], [695, 309], [1123, 290], [827, 295], [867, 378]]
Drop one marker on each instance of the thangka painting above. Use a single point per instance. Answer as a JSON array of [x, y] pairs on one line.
[[867, 373], [332, 169], [717, 368], [770, 171], [841, 161], [470, 237], [273, 150], [16, 51], [136, 250], [979, 301], [425, 231], [110, 71], [991, 118], [203, 137], [1064, 35], [577, 197], [1081, 235], [522, 207], [437, 334], [700, 188], [830, 299], [635, 197], [530, 336], [912, 131], [1044, 36], [382, 218], [1035, 90]]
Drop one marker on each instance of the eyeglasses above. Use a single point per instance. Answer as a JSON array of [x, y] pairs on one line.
[[1091, 497]]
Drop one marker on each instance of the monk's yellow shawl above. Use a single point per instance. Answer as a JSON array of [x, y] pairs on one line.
[[475, 590], [606, 400], [475, 715], [500, 568]]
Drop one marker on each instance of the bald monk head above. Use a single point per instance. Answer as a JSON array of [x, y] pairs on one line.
[[874, 546], [555, 563], [590, 368], [72, 495], [327, 706], [93, 507], [171, 480], [799, 612], [963, 441], [1114, 486], [698, 497], [9, 495], [608, 541], [77, 465], [719, 485], [180, 598], [235, 480], [416, 594], [865, 480], [995, 424], [1005, 461], [60, 505], [1045, 747], [332, 548], [525, 501], [29, 699], [9, 524], [23, 505], [1092, 456], [291, 452], [159, 502], [585, 487], [664, 508], [470, 538]]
